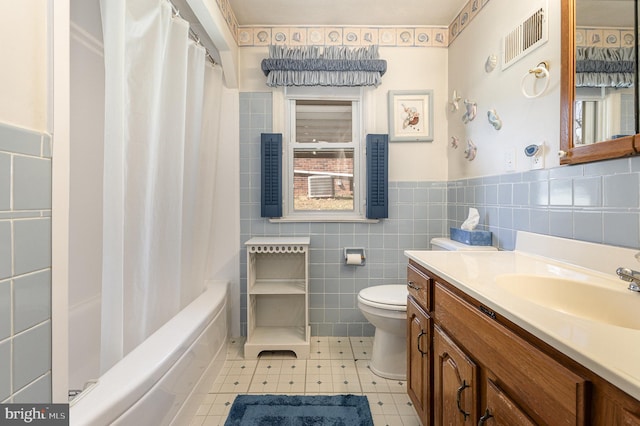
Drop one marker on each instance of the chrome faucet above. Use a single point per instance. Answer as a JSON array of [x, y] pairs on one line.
[[630, 276]]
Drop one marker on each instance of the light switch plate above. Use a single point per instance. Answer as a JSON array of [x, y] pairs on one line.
[[510, 160]]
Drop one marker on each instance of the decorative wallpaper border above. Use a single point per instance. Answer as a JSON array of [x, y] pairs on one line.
[[347, 36], [466, 15], [427, 36], [229, 16], [604, 37]]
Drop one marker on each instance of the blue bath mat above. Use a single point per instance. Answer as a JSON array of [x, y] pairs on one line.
[[285, 410]]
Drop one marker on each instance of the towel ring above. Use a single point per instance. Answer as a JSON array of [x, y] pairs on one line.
[[540, 71]]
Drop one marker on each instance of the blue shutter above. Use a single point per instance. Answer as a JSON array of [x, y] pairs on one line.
[[377, 176], [271, 174]]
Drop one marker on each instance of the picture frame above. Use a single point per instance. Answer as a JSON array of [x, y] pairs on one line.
[[411, 115]]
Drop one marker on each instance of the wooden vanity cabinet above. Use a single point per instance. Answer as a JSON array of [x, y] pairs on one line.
[[455, 383], [418, 359], [534, 384], [468, 365], [419, 342]]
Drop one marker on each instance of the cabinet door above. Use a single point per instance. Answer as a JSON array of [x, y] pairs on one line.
[[630, 419], [418, 362], [455, 383], [501, 410]]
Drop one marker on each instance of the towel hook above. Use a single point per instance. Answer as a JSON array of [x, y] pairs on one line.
[[540, 71]]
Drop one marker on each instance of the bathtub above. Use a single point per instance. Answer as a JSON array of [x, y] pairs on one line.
[[164, 379]]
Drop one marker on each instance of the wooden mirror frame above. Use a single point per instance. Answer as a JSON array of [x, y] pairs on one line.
[[605, 150]]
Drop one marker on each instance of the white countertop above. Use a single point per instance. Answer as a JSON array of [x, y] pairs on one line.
[[610, 351]]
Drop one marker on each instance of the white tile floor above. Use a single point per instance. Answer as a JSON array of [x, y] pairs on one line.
[[336, 365]]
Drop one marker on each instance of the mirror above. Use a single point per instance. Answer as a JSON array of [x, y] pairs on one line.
[[599, 106]]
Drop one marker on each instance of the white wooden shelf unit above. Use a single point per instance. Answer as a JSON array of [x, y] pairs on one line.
[[278, 296]]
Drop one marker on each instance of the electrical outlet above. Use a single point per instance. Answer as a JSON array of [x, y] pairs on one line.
[[510, 160], [537, 162]]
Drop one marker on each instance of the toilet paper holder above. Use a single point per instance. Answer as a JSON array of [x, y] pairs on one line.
[[354, 256]]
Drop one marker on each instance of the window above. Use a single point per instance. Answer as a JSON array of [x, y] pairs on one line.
[[324, 157], [318, 170]]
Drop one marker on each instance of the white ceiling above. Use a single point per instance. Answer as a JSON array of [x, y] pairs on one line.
[[346, 12]]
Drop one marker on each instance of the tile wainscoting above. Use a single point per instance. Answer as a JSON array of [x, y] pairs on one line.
[[25, 265], [597, 202]]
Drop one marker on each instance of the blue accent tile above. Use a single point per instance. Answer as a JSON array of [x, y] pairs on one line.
[[539, 220], [5, 314], [5, 369], [511, 178], [6, 245], [521, 219], [587, 191], [491, 194], [32, 300], [505, 217], [20, 141], [588, 226], [31, 183], [561, 192], [29, 360], [539, 193], [506, 239], [621, 190], [479, 195], [32, 245], [5, 181], [566, 172], [561, 223], [38, 390], [621, 229], [609, 167], [505, 194], [521, 194]]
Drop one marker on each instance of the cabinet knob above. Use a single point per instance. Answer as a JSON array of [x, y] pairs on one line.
[[487, 415], [459, 394], [422, 333], [412, 285]]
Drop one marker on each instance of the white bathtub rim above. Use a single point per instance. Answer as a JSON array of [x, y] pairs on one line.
[[149, 362]]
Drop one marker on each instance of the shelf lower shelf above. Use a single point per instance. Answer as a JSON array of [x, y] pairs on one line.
[[295, 339], [276, 286]]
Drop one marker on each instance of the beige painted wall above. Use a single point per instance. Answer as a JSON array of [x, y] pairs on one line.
[[408, 68], [525, 121], [23, 76]]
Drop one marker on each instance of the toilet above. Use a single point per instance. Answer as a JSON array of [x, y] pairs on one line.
[[385, 306]]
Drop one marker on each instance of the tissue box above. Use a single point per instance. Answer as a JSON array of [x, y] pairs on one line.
[[473, 238]]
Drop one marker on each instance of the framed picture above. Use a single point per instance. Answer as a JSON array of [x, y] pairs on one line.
[[411, 115]]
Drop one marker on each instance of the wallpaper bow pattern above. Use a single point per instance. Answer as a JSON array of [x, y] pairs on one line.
[[323, 66]]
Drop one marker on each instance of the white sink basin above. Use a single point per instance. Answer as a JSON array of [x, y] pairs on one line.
[[616, 305]]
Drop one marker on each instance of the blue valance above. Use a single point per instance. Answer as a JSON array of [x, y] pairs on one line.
[[605, 66], [323, 66]]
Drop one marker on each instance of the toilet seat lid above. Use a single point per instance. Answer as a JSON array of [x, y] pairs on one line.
[[392, 294]]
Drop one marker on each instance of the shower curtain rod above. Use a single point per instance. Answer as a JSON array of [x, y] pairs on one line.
[[194, 36]]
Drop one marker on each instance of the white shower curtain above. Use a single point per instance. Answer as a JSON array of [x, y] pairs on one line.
[[158, 179]]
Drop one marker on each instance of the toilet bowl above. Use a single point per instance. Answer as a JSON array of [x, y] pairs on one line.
[[385, 306]]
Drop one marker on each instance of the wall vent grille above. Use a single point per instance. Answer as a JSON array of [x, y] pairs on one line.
[[526, 37]]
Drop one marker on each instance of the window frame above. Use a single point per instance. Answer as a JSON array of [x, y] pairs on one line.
[[356, 97]]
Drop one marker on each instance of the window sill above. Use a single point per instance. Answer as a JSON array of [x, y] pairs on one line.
[[324, 219]]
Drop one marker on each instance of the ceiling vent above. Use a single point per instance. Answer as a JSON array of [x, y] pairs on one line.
[[526, 37], [320, 186]]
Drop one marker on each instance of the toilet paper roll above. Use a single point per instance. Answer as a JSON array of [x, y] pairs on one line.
[[354, 259]]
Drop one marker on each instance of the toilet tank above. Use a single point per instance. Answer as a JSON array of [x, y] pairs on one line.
[[447, 244]]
